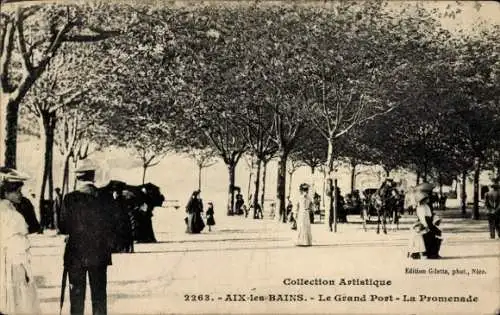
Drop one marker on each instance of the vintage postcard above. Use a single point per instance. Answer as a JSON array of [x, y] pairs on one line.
[[250, 157]]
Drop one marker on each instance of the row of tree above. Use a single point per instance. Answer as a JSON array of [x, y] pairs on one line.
[[312, 84]]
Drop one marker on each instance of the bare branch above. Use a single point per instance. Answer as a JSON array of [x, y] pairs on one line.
[[6, 57], [354, 123], [34, 46], [319, 127], [29, 11], [21, 41]]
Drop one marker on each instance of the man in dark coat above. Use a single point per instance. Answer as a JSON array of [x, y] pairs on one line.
[[492, 204], [86, 221]]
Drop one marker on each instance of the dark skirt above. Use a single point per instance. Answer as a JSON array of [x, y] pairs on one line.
[[210, 220], [195, 223], [432, 240]]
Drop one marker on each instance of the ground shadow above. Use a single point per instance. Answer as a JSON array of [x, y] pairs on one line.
[[110, 297], [478, 229], [216, 232], [40, 282], [221, 240], [47, 246], [274, 247], [471, 256]]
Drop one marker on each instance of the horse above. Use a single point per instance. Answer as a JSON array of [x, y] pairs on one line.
[[386, 202], [367, 207]]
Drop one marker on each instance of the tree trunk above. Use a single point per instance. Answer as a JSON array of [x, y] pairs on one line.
[[8, 143], [424, 177], [230, 205], [353, 176], [335, 206], [65, 175], [463, 194], [264, 175], [255, 200], [313, 181], [250, 177], [47, 125], [440, 182], [75, 165], [328, 181], [50, 164], [418, 178], [144, 168], [51, 180], [477, 172], [41, 196], [323, 192], [290, 184], [281, 185], [199, 177]]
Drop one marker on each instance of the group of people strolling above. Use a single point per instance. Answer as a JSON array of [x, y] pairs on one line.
[[85, 219], [194, 219], [86, 222], [88, 219]]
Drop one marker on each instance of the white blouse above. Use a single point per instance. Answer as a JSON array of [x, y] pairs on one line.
[[304, 204], [14, 243], [423, 211]]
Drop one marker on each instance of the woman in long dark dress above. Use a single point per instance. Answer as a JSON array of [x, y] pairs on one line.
[[194, 209]]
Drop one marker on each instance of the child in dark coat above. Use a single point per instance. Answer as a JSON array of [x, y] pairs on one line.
[[210, 216]]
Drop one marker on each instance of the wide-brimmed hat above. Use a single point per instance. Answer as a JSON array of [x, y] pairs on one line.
[[8, 174], [196, 193], [304, 187], [428, 187], [116, 185], [86, 166], [420, 195]]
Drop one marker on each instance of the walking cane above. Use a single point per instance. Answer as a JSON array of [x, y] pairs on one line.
[[63, 288]]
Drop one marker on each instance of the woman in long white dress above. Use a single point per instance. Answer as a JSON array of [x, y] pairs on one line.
[[417, 247], [304, 207], [17, 285]]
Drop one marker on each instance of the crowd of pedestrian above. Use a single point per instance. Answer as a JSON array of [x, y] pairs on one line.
[[87, 218]]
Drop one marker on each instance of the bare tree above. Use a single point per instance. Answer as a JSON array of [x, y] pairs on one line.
[[44, 100], [21, 44], [204, 159], [292, 167]]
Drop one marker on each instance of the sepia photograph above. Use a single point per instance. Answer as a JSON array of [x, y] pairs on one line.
[[249, 157]]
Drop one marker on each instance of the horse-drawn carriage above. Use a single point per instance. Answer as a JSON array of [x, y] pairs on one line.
[[384, 202]]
